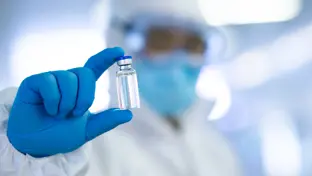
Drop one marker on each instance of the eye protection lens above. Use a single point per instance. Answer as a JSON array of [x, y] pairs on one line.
[[166, 39]]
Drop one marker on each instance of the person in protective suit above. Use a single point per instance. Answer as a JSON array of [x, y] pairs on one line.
[[46, 128]]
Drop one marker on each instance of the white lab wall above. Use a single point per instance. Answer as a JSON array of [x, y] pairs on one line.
[[41, 36]]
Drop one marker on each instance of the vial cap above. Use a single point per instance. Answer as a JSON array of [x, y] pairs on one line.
[[123, 58]]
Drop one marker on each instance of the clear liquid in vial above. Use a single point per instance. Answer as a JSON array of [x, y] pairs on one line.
[[127, 87]]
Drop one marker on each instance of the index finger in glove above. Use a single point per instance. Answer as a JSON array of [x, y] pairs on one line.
[[100, 62]]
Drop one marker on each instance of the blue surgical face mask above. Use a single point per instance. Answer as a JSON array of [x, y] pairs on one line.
[[167, 87]]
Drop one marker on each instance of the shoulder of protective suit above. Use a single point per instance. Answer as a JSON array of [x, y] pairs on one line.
[[12, 162]]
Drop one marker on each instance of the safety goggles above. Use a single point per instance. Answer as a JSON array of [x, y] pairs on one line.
[[156, 35], [160, 39]]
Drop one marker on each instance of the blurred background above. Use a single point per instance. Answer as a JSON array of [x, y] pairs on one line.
[[261, 85]]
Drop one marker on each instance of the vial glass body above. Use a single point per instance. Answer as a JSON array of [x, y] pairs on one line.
[[127, 88]]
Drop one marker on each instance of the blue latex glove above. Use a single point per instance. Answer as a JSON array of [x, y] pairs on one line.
[[50, 112]]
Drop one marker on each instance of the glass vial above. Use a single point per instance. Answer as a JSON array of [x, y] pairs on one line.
[[127, 84]]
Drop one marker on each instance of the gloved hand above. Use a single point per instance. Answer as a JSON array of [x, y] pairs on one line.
[[50, 112]]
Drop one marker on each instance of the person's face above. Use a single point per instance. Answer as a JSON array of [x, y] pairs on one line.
[[168, 67]]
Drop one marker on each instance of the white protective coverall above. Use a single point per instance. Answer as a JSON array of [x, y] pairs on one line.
[[145, 146]]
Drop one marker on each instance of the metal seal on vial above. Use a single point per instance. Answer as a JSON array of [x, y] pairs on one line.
[[127, 84]]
